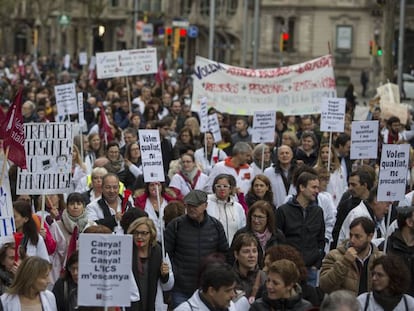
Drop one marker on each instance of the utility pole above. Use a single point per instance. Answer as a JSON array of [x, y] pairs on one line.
[[256, 32], [401, 46], [211, 29], [389, 10], [134, 31]]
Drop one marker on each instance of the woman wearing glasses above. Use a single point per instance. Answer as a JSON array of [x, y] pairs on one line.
[[152, 270], [261, 223], [221, 205], [390, 281]]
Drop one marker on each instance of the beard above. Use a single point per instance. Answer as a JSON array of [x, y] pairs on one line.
[[362, 248]]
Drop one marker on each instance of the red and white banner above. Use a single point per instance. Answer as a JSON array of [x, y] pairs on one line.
[[294, 90]]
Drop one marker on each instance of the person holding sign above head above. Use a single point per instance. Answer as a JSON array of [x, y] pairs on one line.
[[152, 270], [29, 288], [109, 209]]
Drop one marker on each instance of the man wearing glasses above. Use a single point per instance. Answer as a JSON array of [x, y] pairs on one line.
[[107, 210]]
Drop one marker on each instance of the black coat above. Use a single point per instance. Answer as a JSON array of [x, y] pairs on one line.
[[304, 229], [294, 303], [188, 242]]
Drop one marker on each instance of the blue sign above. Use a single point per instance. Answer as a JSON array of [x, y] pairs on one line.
[[192, 31]]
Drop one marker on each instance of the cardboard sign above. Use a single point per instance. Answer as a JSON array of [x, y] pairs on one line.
[[393, 172], [104, 270], [151, 155], [364, 140], [333, 115], [389, 109], [264, 123], [48, 149]]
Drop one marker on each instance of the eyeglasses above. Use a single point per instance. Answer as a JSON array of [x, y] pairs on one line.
[[378, 274], [140, 233], [258, 217], [222, 186]]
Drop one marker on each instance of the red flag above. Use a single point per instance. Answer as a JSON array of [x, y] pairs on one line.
[[159, 76], [12, 132], [105, 131]]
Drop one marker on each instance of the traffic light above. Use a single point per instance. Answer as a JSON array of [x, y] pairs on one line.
[[183, 39], [373, 48], [176, 42], [379, 50], [283, 41], [168, 36], [35, 37]]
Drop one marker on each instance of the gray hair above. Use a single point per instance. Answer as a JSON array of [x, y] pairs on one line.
[[340, 300], [241, 147], [258, 149], [99, 170]]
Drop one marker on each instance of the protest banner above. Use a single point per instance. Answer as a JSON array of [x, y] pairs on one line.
[[126, 63], [333, 115], [104, 270], [6, 208], [364, 140], [393, 172], [214, 127], [66, 101], [264, 123], [48, 148], [152, 165], [294, 90]]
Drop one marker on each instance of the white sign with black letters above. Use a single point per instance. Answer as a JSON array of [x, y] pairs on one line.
[[333, 115], [48, 149], [104, 270], [364, 140], [264, 123], [151, 155], [392, 179]]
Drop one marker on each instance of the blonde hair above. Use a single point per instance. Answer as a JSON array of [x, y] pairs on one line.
[[151, 227], [30, 269]]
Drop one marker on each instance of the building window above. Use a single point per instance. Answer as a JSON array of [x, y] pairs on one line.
[[231, 7], [186, 7], [114, 3]]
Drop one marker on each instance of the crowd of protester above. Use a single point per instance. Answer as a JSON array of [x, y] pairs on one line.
[[290, 225]]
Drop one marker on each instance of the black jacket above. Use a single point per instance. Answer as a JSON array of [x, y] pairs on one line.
[[304, 228], [153, 275], [65, 301], [188, 242], [109, 220], [397, 246], [294, 303]]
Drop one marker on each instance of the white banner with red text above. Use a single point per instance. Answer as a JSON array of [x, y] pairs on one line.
[[294, 90]]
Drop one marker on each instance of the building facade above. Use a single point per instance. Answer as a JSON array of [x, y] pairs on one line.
[[290, 31]]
